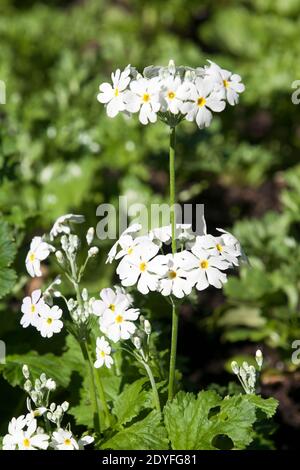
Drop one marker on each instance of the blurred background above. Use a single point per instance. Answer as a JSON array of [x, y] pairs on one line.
[[59, 153]]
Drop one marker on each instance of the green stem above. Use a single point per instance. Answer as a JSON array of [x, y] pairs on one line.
[[102, 395], [173, 225], [96, 411], [86, 356], [153, 385]]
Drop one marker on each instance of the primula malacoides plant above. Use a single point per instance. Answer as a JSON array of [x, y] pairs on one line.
[[171, 260]]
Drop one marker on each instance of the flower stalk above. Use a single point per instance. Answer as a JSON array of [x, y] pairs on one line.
[[174, 249]]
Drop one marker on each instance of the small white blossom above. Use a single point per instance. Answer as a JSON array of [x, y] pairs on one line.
[[132, 229], [49, 321], [114, 96], [64, 440], [203, 100], [31, 306], [145, 99], [20, 439], [110, 301], [228, 83], [173, 94], [103, 353], [39, 251], [174, 280], [119, 324]]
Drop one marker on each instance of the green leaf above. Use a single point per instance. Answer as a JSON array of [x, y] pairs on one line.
[[53, 366], [147, 434], [130, 402], [268, 406], [7, 255], [200, 422]]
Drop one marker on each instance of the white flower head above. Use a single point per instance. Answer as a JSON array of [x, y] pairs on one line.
[[229, 84], [204, 267], [49, 321], [203, 100], [103, 353], [62, 224], [119, 324], [114, 96], [142, 270], [145, 99], [174, 281], [63, 439], [39, 251], [223, 246], [31, 306], [173, 94], [20, 439], [110, 301]]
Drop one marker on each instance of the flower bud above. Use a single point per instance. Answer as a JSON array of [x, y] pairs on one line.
[[90, 235], [137, 342], [235, 367], [147, 327], [259, 358], [59, 256], [27, 386], [25, 371], [50, 384], [65, 406], [84, 295], [93, 251]]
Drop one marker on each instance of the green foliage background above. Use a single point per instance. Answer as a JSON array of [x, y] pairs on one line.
[[60, 153]]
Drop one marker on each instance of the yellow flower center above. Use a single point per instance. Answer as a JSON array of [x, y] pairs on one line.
[[112, 307], [146, 97], [67, 442], [49, 320], [171, 95], [204, 264], [33, 308], [119, 319], [102, 353], [172, 274], [130, 251], [225, 83], [116, 92], [201, 101], [143, 267], [219, 247], [26, 442], [32, 257]]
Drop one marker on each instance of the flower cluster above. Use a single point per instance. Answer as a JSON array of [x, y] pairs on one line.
[[200, 263], [24, 432], [171, 93], [247, 374]]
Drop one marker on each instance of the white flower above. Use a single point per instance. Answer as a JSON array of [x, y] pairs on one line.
[[21, 439], [113, 96], [134, 228], [228, 83], [85, 441], [204, 267], [175, 278], [227, 251], [64, 440], [145, 98], [49, 321], [141, 270], [203, 100], [118, 325], [131, 247], [31, 307], [39, 251], [173, 94], [110, 300], [62, 224], [103, 351]]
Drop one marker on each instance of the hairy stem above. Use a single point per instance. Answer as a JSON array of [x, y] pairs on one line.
[[153, 385], [173, 224]]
